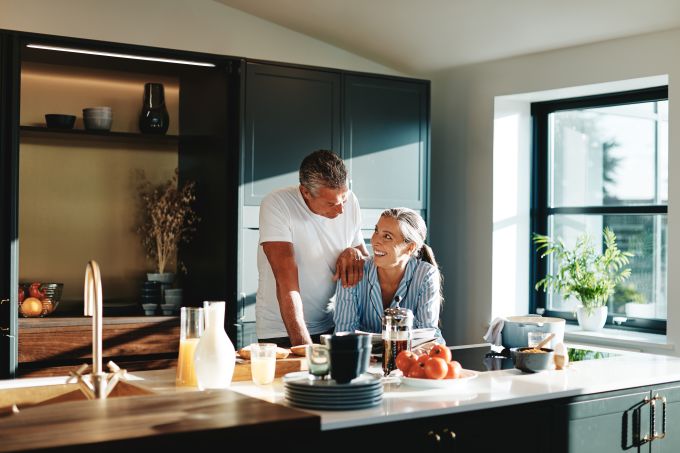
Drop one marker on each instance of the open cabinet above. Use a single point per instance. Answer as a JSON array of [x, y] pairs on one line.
[[70, 195]]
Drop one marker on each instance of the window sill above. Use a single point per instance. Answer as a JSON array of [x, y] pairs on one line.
[[631, 341]]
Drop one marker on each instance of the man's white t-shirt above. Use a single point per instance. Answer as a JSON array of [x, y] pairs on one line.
[[317, 243]]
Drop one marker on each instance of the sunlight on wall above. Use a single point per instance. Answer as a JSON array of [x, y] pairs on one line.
[[510, 210]]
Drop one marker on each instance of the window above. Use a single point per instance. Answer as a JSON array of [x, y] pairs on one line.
[[602, 161]]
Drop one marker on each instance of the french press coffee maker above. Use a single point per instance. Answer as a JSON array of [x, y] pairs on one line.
[[397, 324]]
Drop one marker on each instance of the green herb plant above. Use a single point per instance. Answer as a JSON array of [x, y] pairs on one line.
[[583, 273]]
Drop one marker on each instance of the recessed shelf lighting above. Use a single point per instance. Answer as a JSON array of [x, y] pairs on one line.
[[120, 55]]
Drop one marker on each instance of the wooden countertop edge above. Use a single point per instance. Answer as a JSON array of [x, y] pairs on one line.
[[41, 323], [91, 422]]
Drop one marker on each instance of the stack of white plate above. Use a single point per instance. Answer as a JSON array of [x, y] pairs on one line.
[[361, 393]]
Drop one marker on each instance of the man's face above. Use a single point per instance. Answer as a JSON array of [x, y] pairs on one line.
[[328, 202]]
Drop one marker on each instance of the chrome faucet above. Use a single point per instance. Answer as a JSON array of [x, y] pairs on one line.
[[101, 384]]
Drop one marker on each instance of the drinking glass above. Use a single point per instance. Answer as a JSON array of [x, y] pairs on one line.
[[535, 337], [263, 362], [191, 329], [318, 360]]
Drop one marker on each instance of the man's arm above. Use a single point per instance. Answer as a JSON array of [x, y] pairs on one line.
[[350, 265], [282, 261]]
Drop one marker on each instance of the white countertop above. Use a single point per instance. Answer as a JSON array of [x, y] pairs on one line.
[[493, 389], [490, 389]]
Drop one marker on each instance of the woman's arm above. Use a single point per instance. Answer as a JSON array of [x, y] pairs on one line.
[[347, 311]]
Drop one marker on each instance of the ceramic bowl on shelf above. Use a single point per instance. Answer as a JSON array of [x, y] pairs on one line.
[[59, 121], [150, 309], [169, 309], [98, 118]]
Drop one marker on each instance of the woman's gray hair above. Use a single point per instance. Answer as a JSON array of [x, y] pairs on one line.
[[322, 168], [413, 228]]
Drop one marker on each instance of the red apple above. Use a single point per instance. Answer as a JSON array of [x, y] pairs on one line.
[[22, 294], [34, 291]]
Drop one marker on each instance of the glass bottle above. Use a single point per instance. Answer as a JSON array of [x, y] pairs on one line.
[[215, 355]]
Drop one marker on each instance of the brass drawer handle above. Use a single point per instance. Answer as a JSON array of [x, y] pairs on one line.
[[434, 437], [656, 435]]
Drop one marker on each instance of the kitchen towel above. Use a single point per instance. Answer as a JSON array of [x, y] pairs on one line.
[[494, 335]]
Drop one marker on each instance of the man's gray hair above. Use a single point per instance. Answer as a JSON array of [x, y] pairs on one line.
[[322, 168]]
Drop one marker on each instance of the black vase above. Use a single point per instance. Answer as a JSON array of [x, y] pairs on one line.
[[154, 117]]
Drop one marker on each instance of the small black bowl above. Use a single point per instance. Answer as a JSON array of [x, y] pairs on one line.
[[531, 361], [59, 121]]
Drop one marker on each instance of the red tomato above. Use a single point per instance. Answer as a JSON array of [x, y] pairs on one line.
[[405, 360], [436, 368], [454, 370], [441, 352], [417, 371], [423, 358]]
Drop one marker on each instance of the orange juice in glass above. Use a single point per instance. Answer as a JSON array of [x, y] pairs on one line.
[[191, 328]]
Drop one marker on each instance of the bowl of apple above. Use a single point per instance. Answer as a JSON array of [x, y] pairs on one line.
[[37, 299]]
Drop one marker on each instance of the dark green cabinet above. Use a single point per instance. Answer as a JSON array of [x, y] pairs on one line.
[[641, 420], [491, 430], [612, 423], [9, 273], [386, 140], [378, 124], [289, 112]]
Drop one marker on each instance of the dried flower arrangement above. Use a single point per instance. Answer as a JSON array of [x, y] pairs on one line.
[[166, 218]]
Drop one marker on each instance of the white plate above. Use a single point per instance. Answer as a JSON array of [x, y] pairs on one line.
[[465, 377]]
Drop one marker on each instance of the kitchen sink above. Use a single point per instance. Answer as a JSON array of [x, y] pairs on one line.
[[25, 397]]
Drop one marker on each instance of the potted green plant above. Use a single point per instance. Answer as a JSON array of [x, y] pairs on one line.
[[166, 219], [585, 274]]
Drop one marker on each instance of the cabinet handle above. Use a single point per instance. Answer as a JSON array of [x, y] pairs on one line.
[[4, 301], [655, 435], [447, 433], [434, 437], [639, 438], [242, 307]]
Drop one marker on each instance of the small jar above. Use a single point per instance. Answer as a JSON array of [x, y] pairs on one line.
[[397, 327]]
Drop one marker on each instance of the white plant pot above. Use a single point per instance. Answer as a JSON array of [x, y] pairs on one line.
[[635, 310], [594, 321]]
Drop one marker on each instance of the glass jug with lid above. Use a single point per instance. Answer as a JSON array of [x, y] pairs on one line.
[[397, 325]]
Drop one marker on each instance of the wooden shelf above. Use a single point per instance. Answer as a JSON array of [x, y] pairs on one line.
[[36, 131]]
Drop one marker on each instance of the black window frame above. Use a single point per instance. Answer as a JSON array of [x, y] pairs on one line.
[[541, 211]]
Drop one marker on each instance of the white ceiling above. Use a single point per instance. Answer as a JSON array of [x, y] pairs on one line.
[[422, 36]]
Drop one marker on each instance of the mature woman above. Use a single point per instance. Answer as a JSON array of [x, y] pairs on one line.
[[402, 271]]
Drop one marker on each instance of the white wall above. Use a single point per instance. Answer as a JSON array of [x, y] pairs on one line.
[[462, 211], [195, 25]]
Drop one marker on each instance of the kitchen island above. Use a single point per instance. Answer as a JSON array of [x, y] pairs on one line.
[[596, 405]]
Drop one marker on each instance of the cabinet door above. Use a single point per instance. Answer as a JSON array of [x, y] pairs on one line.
[[386, 139], [289, 112], [607, 424], [671, 441], [9, 167]]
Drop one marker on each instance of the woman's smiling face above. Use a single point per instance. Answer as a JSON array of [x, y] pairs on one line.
[[389, 247]]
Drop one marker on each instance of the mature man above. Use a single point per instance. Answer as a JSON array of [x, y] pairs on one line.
[[309, 238]]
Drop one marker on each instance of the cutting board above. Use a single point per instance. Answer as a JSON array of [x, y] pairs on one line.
[[283, 366]]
